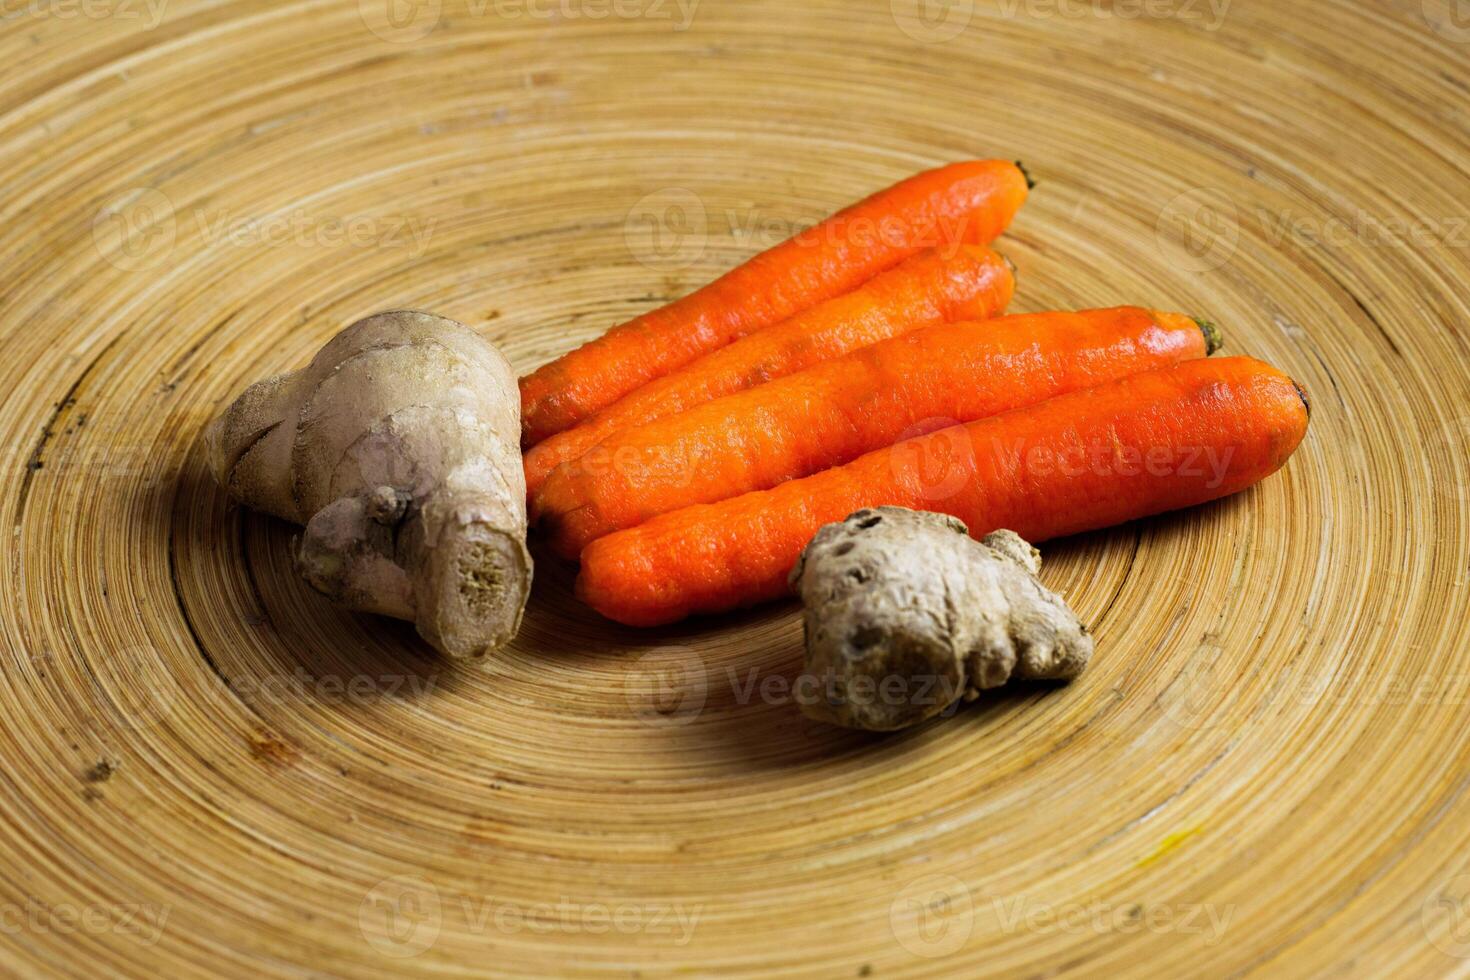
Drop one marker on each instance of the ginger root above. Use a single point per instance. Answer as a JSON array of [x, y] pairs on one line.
[[906, 614], [398, 448]]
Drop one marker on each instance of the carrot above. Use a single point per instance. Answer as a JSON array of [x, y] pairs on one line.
[[1145, 444], [931, 287], [970, 202], [834, 412]]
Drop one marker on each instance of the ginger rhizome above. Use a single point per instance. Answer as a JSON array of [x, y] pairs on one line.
[[397, 448], [906, 614]]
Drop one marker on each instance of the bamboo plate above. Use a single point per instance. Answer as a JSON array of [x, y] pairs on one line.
[[207, 771]]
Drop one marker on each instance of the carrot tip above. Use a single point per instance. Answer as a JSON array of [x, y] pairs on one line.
[[1030, 184], [1214, 340], [1302, 394], [1015, 272]]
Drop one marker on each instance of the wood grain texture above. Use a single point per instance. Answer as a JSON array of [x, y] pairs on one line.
[[206, 771]]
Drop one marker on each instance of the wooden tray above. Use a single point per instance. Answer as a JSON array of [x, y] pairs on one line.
[[204, 770]]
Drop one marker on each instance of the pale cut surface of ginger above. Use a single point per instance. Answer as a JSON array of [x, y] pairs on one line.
[[906, 614], [398, 449]]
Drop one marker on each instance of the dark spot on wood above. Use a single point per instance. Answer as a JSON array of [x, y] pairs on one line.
[[100, 773], [271, 749]]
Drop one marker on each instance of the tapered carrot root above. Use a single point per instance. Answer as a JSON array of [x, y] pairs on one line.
[[935, 286], [970, 202], [1142, 445], [834, 412]]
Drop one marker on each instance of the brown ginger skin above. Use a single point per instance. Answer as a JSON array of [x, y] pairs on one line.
[[398, 448], [906, 614]]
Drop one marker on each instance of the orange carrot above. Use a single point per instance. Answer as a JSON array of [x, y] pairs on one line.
[[1141, 445], [970, 202], [932, 287], [834, 412]]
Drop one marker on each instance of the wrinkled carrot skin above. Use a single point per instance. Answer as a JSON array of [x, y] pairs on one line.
[[935, 286], [834, 412], [963, 203], [1142, 445]]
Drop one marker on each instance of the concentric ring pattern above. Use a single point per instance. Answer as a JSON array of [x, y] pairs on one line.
[[206, 771]]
